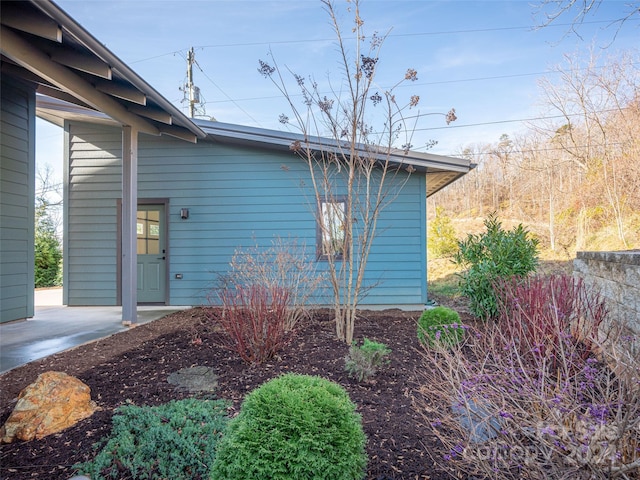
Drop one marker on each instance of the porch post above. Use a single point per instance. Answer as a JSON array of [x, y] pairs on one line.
[[129, 217]]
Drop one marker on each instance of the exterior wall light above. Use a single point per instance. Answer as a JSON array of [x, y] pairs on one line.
[[184, 213]]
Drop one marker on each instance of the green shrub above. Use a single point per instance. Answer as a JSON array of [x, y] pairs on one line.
[[494, 255], [294, 426], [176, 440], [440, 326], [363, 362], [442, 236]]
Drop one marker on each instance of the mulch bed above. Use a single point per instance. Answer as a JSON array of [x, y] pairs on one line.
[[133, 366]]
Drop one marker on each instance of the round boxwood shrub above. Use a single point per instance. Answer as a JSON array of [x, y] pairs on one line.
[[294, 426], [440, 326]]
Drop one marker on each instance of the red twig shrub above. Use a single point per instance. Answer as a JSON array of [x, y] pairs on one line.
[[538, 311], [254, 320]]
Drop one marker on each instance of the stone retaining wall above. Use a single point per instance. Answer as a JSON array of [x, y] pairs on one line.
[[616, 275]]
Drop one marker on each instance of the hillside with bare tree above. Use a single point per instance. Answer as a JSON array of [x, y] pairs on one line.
[[573, 180]]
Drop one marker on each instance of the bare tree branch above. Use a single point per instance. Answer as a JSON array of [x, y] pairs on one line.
[[578, 11]]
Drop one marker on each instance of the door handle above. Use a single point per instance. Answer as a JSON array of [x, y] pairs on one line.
[[161, 258]]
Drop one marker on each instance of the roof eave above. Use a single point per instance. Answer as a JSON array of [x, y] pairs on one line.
[[85, 38], [283, 140]]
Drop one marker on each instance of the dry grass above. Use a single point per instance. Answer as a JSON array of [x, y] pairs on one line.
[[443, 279]]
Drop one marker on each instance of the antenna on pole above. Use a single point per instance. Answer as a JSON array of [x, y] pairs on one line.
[[191, 92]]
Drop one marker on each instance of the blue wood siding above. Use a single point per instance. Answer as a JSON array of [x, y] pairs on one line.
[[237, 197], [17, 190], [93, 185]]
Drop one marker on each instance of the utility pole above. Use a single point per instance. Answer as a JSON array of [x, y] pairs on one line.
[[190, 86], [191, 92]]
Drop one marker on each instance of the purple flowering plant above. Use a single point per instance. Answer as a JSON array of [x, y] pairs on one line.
[[568, 409]]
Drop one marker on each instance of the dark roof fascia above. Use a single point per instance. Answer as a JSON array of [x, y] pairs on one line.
[[283, 140], [89, 41]]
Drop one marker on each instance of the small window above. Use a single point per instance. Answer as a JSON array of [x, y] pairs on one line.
[[331, 239]]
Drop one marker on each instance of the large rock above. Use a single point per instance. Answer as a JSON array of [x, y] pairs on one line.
[[55, 401]]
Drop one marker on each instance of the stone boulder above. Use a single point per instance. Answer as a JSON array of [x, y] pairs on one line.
[[54, 402]]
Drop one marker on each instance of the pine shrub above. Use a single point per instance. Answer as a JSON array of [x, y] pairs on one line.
[[294, 426], [48, 252], [440, 326], [176, 440]]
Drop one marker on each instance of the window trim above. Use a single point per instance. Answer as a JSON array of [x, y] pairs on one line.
[[320, 254]]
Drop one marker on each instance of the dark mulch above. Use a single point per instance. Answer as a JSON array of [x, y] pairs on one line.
[[133, 366]]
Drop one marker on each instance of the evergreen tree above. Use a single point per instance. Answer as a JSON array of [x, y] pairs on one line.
[[442, 240], [48, 250]]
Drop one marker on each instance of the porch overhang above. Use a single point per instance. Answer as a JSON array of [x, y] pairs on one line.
[[42, 46]]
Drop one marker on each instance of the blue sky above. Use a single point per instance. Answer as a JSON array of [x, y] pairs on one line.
[[482, 58]]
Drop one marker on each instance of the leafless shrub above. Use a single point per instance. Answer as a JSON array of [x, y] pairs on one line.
[[537, 312], [284, 264], [502, 412], [254, 320]]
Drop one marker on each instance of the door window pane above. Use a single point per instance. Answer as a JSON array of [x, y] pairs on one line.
[[148, 230]]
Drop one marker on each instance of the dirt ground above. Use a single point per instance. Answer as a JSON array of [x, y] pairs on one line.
[[133, 366]]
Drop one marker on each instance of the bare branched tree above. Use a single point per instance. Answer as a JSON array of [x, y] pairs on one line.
[[593, 103], [574, 172], [577, 11], [352, 153], [48, 195]]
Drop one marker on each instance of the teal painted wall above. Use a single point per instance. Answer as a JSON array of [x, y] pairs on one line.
[[237, 197], [17, 194], [93, 183]]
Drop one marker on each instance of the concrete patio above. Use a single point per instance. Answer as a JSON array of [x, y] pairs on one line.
[[55, 328]]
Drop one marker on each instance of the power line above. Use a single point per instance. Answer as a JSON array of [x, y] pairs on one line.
[[396, 35], [440, 82], [494, 122], [545, 149], [499, 122], [179, 52], [450, 126], [225, 94]]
